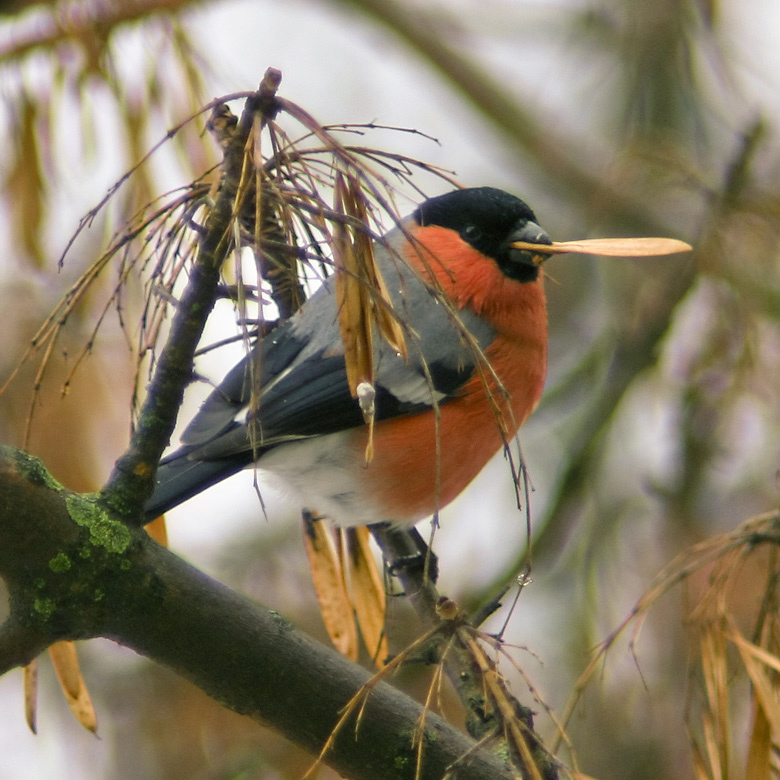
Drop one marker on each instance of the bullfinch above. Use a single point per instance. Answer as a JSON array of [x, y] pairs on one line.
[[441, 411]]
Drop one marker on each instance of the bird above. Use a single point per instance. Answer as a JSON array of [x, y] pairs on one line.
[[441, 411]]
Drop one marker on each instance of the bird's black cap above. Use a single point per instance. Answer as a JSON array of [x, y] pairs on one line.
[[490, 220]]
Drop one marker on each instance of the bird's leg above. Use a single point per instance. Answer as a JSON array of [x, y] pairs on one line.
[[410, 559]]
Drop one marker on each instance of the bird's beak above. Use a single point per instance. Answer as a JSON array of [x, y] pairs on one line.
[[528, 244]]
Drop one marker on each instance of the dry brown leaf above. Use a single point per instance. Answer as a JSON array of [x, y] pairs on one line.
[[759, 653], [765, 693], [31, 695], [158, 531], [377, 295], [716, 682], [760, 747], [362, 296], [26, 179], [368, 593], [354, 319], [326, 574], [701, 772], [611, 247], [66, 665]]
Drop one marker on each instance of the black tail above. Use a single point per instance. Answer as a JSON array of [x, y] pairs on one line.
[[179, 478]]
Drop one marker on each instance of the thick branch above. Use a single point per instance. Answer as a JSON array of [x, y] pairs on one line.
[[75, 572], [19, 645]]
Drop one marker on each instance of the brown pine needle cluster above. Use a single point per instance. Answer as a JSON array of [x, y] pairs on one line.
[[734, 628], [505, 726]]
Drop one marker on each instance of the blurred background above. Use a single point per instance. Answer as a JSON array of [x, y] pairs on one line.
[[660, 425]]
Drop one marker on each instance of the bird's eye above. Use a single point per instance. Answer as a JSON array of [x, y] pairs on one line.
[[471, 233]]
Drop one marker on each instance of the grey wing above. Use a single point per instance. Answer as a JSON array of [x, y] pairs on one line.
[[302, 381]]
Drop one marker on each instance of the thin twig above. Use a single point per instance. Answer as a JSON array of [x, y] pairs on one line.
[[132, 480]]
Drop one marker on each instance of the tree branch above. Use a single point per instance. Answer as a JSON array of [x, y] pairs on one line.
[[75, 572], [413, 563]]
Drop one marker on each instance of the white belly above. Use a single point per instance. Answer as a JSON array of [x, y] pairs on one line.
[[323, 473]]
